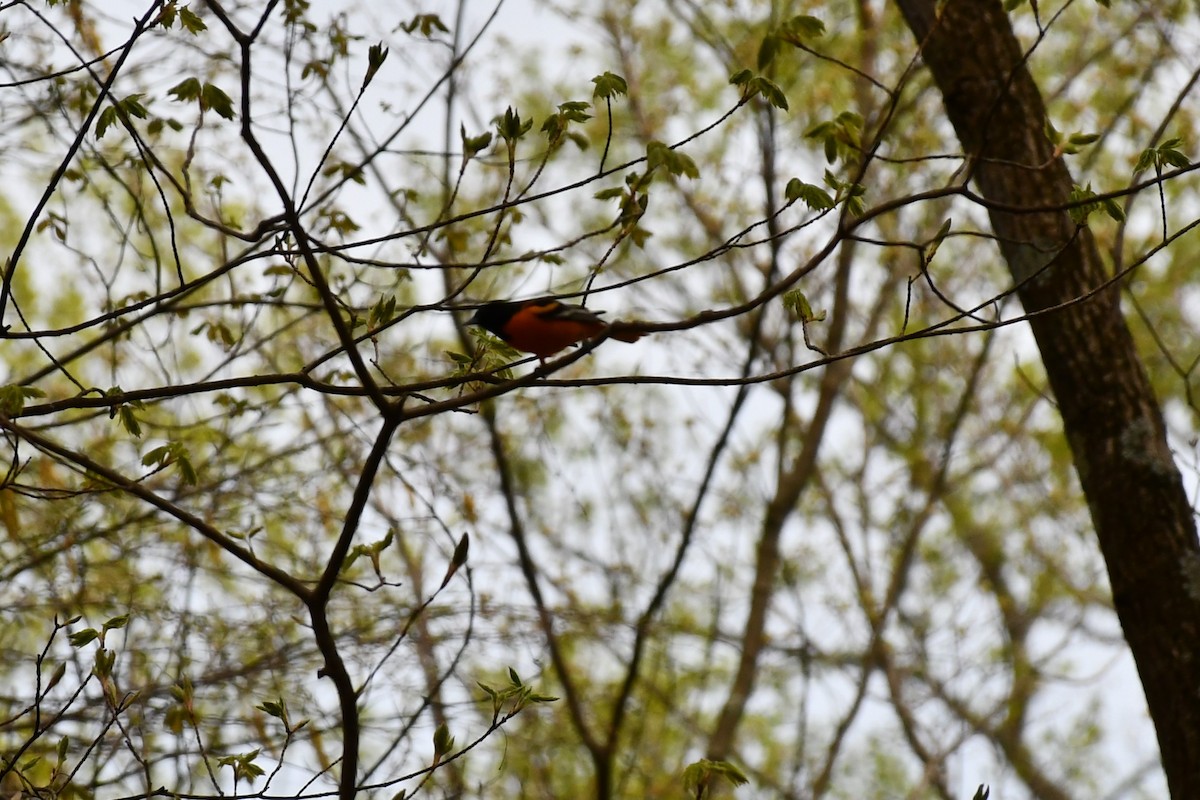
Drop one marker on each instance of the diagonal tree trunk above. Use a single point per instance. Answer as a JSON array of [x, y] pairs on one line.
[[1111, 417]]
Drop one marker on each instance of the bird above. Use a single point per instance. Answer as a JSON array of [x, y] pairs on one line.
[[543, 326]]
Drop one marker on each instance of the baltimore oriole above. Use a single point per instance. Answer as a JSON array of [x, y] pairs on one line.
[[543, 326]]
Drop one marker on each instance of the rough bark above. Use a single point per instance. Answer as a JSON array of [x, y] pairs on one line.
[[1110, 415]]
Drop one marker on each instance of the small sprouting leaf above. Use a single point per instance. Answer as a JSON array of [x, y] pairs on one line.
[[105, 121], [840, 136], [173, 453], [814, 197], [703, 772], [1082, 209], [1052, 133], [458, 559], [1165, 154], [609, 85], [510, 125], [796, 302], [383, 312], [56, 676], [211, 96], [13, 397], [129, 420], [557, 125], [443, 742], [1113, 209], [185, 90], [105, 659], [473, 145], [773, 94], [675, 162], [376, 55], [794, 32], [208, 95], [982, 793], [767, 50], [243, 766], [932, 248], [801, 27], [116, 623], [191, 22], [273, 708], [426, 23], [758, 85], [80, 638]]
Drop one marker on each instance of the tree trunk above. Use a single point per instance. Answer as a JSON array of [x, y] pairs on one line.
[[1110, 415]]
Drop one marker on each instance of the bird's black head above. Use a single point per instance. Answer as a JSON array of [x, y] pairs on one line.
[[492, 316]]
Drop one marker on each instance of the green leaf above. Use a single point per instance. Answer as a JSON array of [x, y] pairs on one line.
[[56, 676], [13, 397], [185, 90], [461, 551], [841, 136], [190, 22], [376, 55], [172, 453], [211, 96], [814, 197], [796, 302], [1080, 213], [556, 127], [767, 50], [801, 27], [116, 623], [129, 421], [80, 638], [1113, 209], [105, 659], [428, 24], [982, 793], [443, 742], [510, 125], [702, 773], [473, 145], [1166, 154], [932, 248], [272, 708], [383, 312], [772, 93], [105, 120], [243, 766], [609, 85]]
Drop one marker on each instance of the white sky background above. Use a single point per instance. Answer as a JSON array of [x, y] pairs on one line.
[[527, 25]]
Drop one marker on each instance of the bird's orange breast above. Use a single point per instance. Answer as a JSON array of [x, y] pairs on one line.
[[541, 335]]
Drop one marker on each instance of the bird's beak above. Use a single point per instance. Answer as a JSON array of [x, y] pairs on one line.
[[474, 320]]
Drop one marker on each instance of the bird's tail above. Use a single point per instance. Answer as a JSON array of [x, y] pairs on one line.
[[618, 331]]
